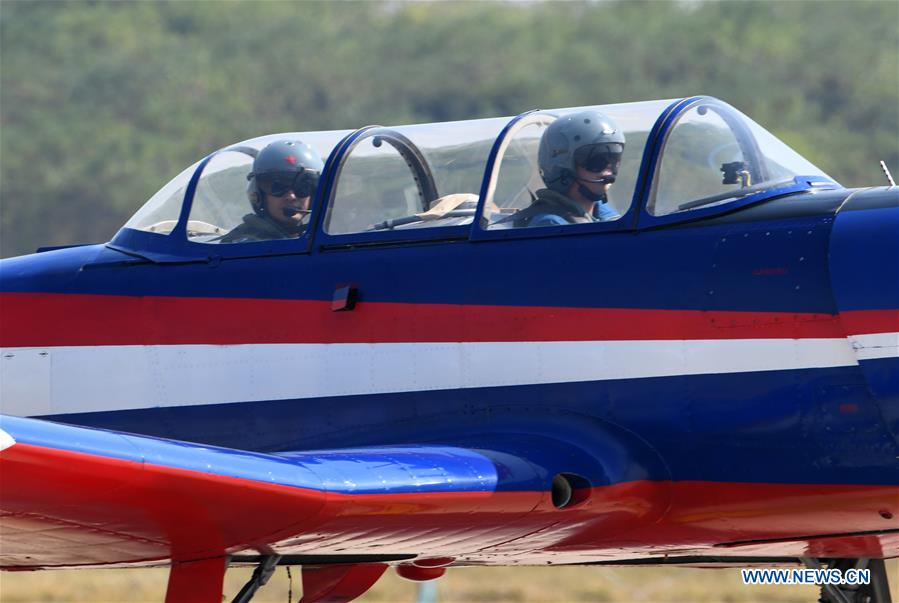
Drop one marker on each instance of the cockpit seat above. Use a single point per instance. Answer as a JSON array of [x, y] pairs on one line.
[[195, 228]]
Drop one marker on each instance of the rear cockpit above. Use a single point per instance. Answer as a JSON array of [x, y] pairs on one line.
[[674, 161]]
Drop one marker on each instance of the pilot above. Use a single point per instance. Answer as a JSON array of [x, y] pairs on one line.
[[579, 157], [281, 184]]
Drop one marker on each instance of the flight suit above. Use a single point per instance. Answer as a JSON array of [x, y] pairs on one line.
[[552, 209], [260, 228]]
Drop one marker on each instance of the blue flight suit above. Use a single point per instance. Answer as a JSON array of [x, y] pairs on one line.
[[554, 209]]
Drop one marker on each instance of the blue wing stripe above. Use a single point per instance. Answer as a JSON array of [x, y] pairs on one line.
[[412, 469]]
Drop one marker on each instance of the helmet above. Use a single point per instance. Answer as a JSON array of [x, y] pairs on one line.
[[585, 138], [282, 166]]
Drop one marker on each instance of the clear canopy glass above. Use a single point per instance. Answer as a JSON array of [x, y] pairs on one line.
[[713, 155], [161, 212], [516, 178], [407, 178], [411, 177]]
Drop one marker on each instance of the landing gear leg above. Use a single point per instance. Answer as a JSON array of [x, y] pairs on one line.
[[879, 589], [260, 577], [196, 581], [876, 591]]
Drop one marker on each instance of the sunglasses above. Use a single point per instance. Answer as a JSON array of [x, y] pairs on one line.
[[302, 184], [599, 157]]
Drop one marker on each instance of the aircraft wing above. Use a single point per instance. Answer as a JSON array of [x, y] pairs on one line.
[[74, 496]]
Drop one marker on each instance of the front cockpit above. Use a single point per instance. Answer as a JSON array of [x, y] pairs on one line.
[[676, 161]]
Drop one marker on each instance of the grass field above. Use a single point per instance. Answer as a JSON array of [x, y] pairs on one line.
[[460, 585]]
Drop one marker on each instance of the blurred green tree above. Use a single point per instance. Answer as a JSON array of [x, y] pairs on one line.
[[102, 102]]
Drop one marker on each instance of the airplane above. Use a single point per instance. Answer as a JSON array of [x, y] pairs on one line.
[[415, 381]]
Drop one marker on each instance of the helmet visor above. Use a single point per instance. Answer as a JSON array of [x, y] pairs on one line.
[[303, 183], [599, 157]]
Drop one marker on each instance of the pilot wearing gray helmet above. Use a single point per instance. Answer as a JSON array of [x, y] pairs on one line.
[[579, 157], [281, 184]]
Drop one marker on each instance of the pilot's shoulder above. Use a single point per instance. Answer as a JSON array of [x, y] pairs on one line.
[[253, 228], [606, 213], [544, 219]]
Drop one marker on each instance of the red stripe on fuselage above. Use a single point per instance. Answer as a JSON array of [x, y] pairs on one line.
[[868, 322], [37, 319]]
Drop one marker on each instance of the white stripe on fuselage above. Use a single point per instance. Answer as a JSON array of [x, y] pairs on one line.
[[877, 345], [105, 378]]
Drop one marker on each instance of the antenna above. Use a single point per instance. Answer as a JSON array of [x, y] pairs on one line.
[[886, 172]]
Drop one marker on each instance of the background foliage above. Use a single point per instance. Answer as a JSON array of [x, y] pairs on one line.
[[101, 103]]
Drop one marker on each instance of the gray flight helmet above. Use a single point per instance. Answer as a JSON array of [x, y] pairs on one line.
[[563, 137], [293, 161]]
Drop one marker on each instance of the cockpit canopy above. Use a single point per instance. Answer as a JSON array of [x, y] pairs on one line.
[[680, 159]]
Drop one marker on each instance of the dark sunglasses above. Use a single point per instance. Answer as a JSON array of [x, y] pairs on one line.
[[302, 184], [599, 157]]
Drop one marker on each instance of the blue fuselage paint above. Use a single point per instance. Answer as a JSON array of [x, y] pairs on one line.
[[789, 426]]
